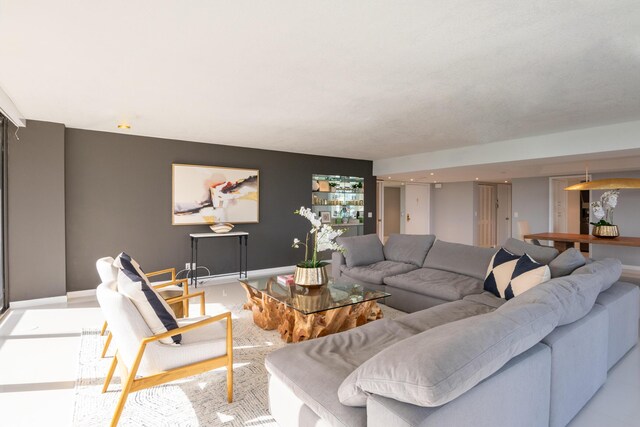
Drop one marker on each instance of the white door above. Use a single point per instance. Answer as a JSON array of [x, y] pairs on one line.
[[417, 209], [503, 218], [560, 203], [486, 216], [380, 210]]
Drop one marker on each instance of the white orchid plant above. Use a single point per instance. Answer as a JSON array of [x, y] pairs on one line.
[[323, 239], [603, 208]]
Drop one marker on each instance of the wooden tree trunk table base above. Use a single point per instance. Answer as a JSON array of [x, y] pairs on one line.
[[293, 326]]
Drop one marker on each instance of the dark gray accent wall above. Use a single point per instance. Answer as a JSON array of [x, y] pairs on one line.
[[36, 211], [118, 197]]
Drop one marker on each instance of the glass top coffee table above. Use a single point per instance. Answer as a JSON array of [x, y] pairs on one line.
[[301, 313]]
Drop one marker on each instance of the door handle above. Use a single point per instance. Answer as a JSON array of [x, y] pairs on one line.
[[408, 217]]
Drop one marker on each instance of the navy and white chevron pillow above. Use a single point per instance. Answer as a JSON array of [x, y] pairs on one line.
[[134, 284], [509, 275]]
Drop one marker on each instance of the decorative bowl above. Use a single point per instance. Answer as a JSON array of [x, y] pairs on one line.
[[221, 227]]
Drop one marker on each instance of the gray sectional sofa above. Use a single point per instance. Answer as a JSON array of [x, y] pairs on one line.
[[462, 356]]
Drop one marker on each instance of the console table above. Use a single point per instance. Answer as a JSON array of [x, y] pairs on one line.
[[243, 238], [564, 241]]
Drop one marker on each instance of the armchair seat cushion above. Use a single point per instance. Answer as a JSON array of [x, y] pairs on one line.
[[375, 273], [206, 342], [439, 284]]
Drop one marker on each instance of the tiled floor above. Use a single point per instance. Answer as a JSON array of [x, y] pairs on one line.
[[39, 351]]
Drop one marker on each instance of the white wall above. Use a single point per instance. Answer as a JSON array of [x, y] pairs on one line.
[[530, 201], [453, 212]]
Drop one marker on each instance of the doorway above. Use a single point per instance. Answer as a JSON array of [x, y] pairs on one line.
[[392, 211], [493, 214], [568, 210]]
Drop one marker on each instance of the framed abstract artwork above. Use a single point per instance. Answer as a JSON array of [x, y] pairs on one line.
[[211, 194]]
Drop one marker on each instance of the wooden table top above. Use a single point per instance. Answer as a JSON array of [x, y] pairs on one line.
[[585, 238]]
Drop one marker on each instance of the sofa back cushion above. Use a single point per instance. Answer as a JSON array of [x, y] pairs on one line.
[[565, 263], [409, 248], [608, 271], [468, 260], [361, 250], [542, 254], [440, 364]]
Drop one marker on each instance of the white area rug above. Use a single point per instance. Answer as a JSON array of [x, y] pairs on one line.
[[194, 401]]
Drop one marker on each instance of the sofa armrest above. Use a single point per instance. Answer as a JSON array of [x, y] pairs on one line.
[[337, 261]]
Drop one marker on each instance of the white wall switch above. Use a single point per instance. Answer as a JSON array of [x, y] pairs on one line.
[[369, 215], [515, 214]]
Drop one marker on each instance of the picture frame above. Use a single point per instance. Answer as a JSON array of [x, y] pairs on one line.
[[203, 194], [325, 217]]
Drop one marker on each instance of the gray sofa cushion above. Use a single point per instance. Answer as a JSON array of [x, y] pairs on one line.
[[361, 250], [438, 365], [423, 320], [409, 248], [314, 369], [376, 272], [457, 258], [486, 298], [565, 263], [542, 254], [608, 269], [436, 283]]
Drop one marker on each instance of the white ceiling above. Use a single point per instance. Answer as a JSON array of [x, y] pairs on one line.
[[361, 79]]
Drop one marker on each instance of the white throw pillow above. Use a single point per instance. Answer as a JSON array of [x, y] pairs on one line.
[[134, 284], [509, 275]]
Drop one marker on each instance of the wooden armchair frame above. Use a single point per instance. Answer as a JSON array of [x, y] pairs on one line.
[[132, 384], [173, 281]]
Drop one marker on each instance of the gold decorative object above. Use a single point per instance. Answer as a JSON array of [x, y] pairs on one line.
[[310, 276], [607, 184], [607, 231]]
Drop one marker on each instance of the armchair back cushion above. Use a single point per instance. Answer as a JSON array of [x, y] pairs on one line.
[[361, 250], [133, 283], [468, 260], [106, 270], [408, 248]]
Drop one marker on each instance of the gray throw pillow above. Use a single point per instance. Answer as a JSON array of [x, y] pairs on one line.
[[566, 262], [542, 254], [408, 248], [361, 250]]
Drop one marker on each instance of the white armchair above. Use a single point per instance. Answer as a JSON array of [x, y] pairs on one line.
[[145, 362], [108, 273]]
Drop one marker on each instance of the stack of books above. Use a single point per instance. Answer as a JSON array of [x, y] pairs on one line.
[[286, 280]]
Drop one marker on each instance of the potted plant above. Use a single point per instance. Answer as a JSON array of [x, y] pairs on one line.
[[311, 271], [603, 211], [333, 186]]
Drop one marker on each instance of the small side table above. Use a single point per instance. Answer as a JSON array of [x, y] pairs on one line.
[[243, 239]]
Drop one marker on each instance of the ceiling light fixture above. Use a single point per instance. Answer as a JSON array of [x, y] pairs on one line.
[[388, 177], [477, 179], [607, 184], [411, 180], [124, 126], [432, 174]]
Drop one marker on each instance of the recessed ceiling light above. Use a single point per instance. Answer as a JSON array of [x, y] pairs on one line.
[[388, 177], [477, 179], [432, 174], [124, 126], [402, 183], [411, 180], [506, 182]]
